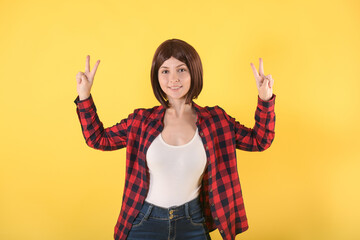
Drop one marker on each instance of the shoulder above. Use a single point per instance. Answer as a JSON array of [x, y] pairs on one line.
[[215, 112], [145, 113], [219, 113]]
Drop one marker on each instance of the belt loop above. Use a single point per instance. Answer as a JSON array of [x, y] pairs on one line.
[[187, 213], [147, 214]]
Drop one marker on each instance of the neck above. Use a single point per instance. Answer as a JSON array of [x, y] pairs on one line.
[[179, 108]]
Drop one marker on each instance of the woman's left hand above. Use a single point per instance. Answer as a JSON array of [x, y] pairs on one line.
[[264, 83]]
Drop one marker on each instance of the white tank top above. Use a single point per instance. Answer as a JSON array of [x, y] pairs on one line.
[[175, 171]]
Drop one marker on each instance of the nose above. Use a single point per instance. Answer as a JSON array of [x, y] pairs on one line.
[[174, 77]]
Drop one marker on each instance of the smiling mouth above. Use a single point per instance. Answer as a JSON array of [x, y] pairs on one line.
[[174, 88]]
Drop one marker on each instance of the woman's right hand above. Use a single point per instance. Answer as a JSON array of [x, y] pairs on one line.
[[85, 79]]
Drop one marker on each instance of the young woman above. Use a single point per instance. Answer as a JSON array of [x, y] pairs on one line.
[[181, 177]]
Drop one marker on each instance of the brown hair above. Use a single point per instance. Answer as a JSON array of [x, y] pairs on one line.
[[184, 52]]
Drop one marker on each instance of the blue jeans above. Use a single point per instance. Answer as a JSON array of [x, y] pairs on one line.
[[184, 222]]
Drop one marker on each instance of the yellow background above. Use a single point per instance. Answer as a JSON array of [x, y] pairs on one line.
[[305, 186]]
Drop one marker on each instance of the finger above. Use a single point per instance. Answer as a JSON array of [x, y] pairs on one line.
[[271, 81], [254, 70], [261, 67], [93, 71], [84, 78], [266, 83], [79, 77], [87, 65]]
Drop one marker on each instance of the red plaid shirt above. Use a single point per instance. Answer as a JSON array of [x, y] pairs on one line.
[[221, 195]]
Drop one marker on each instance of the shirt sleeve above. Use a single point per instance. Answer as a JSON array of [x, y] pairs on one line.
[[95, 135], [261, 136]]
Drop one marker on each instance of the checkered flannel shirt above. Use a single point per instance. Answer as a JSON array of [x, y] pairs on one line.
[[221, 194]]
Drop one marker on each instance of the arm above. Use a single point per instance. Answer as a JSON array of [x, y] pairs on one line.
[[261, 136], [95, 135]]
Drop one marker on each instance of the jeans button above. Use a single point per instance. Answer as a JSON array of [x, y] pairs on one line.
[[171, 214]]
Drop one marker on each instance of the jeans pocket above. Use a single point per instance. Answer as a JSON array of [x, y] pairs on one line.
[[138, 220], [197, 218]]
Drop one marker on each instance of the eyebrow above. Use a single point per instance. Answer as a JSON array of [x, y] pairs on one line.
[[176, 66]]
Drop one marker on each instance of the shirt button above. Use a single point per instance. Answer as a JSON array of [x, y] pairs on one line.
[[201, 134], [211, 190], [210, 176], [221, 231], [212, 204], [216, 218], [207, 148]]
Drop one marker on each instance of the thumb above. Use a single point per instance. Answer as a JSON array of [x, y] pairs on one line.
[[84, 78], [266, 82], [270, 80], [78, 77]]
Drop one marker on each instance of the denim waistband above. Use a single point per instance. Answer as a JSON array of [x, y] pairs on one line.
[[173, 212]]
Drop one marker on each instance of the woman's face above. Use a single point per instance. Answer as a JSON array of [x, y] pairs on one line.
[[174, 78]]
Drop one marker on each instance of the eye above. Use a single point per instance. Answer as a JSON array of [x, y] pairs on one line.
[[179, 70]]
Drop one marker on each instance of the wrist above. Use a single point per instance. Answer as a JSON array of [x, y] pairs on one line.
[[83, 97], [265, 98]]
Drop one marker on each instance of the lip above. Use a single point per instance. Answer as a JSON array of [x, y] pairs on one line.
[[177, 88]]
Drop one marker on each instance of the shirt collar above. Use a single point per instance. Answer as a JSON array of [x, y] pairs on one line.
[[202, 112]]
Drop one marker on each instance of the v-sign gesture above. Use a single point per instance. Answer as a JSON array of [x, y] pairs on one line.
[[85, 79], [264, 83]]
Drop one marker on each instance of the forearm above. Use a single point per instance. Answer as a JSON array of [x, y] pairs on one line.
[[95, 135]]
